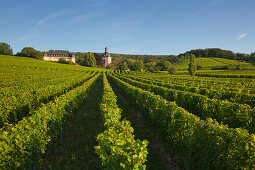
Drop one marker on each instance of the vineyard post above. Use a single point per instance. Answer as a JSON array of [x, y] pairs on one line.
[[165, 145], [187, 158], [34, 166], [61, 134]]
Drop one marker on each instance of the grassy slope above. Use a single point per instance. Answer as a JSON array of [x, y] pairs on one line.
[[6, 60], [234, 63], [208, 63], [204, 62], [221, 72], [227, 72], [25, 61]]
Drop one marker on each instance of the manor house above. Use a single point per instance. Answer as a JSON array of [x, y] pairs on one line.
[[55, 55]]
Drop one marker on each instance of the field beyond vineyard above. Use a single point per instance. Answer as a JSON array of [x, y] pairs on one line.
[[209, 63], [58, 116]]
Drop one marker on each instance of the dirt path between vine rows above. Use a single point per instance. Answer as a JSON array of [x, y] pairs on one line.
[[76, 148], [145, 132]]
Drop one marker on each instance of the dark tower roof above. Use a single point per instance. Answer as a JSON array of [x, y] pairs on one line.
[[59, 53], [106, 54]]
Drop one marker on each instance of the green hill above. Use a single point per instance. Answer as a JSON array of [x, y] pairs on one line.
[[14, 61], [209, 63]]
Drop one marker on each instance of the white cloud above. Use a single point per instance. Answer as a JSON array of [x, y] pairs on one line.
[[32, 32], [85, 17], [80, 18], [208, 6], [242, 36], [51, 16]]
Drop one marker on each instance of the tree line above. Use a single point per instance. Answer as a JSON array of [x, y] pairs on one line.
[[5, 49], [137, 62], [220, 53]]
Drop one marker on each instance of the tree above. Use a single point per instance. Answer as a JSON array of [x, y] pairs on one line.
[[111, 66], [30, 52], [252, 54], [5, 49], [212, 52], [199, 67], [164, 65], [138, 65], [171, 70], [192, 65], [124, 66], [252, 58], [238, 67], [89, 60], [130, 63], [79, 57], [242, 56], [174, 59], [151, 66], [64, 61]]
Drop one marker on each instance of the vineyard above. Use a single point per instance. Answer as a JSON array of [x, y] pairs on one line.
[[57, 116], [208, 63]]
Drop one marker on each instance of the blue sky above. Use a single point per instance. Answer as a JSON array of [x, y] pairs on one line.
[[128, 26]]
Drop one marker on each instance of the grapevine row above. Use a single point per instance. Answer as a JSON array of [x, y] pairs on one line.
[[226, 75], [241, 98], [16, 76], [117, 147], [233, 114], [203, 144], [27, 86], [235, 85], [15, 108], [22, 144]]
